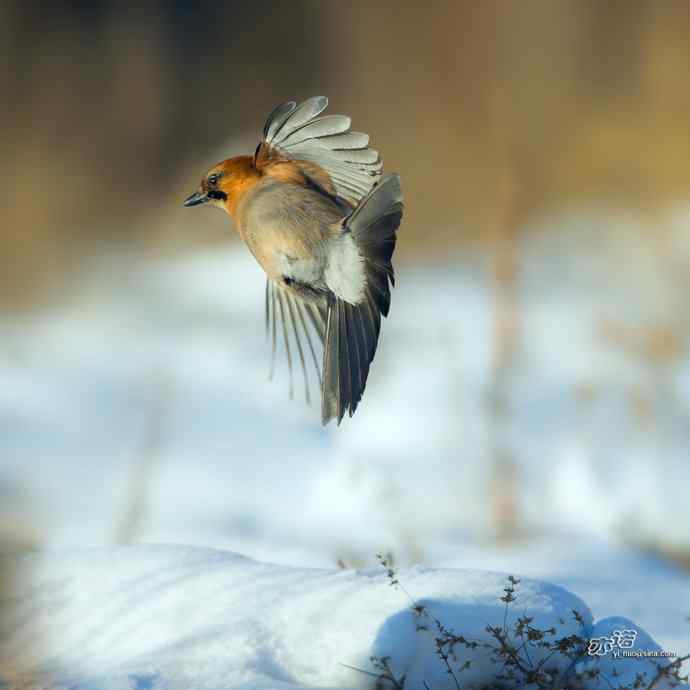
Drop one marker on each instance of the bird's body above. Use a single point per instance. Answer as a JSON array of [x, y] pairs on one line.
[[322, 227], [266, 220]]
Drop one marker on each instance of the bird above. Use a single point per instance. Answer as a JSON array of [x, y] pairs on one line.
[[315, 209]]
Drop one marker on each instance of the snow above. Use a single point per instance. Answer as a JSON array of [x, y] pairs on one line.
[[179, 617], [151, 384], [614, 581]]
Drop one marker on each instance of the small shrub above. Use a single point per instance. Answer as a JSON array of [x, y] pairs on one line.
[[510, 648]]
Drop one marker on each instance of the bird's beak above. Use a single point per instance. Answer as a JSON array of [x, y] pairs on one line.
[[196, 198]]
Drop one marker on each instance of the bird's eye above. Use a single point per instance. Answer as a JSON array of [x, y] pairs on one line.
[[212, 179]]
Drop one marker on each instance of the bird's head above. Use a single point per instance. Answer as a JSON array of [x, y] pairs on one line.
[[224, 184]]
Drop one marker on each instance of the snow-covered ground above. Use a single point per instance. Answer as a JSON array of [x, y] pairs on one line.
[[175, 617], [140, 410]]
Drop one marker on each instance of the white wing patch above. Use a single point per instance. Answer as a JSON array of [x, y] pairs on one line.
[[344, 273]]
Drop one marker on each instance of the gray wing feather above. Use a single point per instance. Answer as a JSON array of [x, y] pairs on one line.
[[325, 126], [361, 367], [299, 321], [330, 385], [301, 133], [281, 303], [293, 322], [277, 119], [317, 316], [349, 140], [303, 113], [344, 362], [300, 313], [352, 333], [353, 330], [272, 289], [349, 335]]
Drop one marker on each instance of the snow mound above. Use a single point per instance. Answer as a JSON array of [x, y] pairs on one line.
[[149, 617]]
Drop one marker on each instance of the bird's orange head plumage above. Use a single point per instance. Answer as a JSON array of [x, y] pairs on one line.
[[224, 185]]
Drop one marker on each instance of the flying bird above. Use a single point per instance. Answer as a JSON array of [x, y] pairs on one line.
[[318, 215]]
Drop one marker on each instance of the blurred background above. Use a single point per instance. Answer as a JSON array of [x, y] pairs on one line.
[[529, 407], [553, 104]]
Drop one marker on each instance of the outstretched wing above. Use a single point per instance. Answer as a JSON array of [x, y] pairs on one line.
[[352, 330], [342, 335], [302, 323], [321, 144], [352, 333]]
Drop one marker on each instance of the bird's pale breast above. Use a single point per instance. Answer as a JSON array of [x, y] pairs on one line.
[[288, 227]]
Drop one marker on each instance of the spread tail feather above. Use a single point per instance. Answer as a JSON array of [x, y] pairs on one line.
[[352, 330]]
